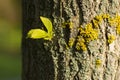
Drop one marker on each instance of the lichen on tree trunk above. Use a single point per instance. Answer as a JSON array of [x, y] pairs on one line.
[[56, 59]]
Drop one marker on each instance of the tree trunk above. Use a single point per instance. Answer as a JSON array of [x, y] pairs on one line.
[[59, 59]]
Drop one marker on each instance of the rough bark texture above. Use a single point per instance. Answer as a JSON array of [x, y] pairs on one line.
[[52, 60]]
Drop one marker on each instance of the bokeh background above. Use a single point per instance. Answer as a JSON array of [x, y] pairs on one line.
[[10, 40]]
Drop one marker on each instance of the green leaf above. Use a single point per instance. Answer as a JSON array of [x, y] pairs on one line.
[[48, 24], [37, 34]]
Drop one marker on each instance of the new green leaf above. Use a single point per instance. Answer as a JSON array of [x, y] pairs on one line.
[[48, 24], [39, 33]]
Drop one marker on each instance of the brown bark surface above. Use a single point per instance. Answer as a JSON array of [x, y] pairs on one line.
[[52, 60]]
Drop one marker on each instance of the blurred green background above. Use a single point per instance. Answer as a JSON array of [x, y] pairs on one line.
[[10, 40]]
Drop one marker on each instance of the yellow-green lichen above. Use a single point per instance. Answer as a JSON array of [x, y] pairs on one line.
[[95, 23], [89, 33], [111, 38], [118, 29], [112, 21], [99, 18], [80, 45], [69, 24], [71, 42], [105, 16], [98, 62], [115, 21], [86, 34]]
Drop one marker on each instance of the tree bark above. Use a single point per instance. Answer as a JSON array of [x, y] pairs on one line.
[[54, 60]]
